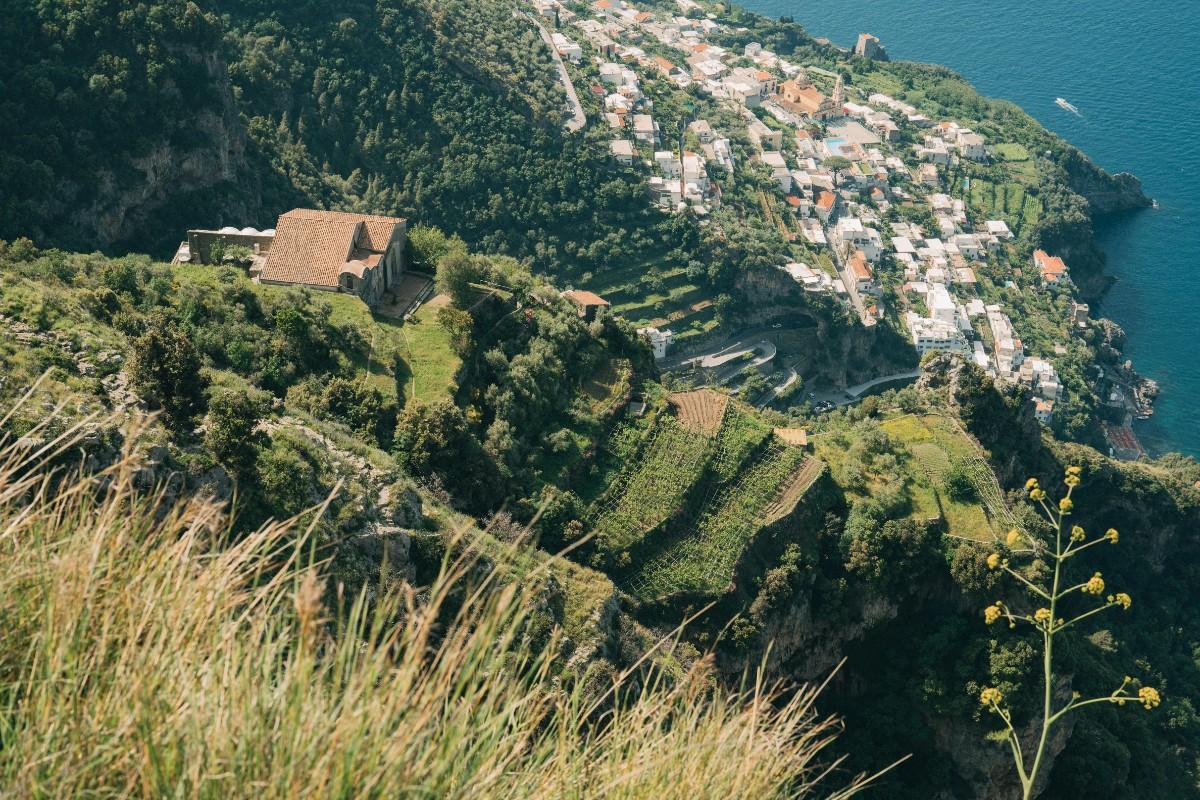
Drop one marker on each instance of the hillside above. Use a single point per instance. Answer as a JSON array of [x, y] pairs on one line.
[[520, 552]]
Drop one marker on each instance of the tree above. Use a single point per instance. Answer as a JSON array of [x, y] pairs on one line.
[[435, 441], [164, 369], [460, 325], [286, 480], [1052, 596], [232, 434], [958, 484], [725, 305], [428, 245], [457, 271]]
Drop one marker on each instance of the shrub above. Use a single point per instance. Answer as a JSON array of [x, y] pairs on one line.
[[195, 666]]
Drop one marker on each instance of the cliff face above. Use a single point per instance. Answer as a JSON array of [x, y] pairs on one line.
[[1105, 193], [196, 173], [826, 347]]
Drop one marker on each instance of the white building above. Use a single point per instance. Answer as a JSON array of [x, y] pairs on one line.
[[567, 48], [660, 341], [622, 150], [930, 335], [645, 129]]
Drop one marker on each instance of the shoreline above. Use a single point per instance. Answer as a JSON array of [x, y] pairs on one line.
[[1121, 196]]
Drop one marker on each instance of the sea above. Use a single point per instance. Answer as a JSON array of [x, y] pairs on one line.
[[1130, 67]]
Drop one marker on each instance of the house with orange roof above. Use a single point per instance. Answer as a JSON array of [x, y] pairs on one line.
[[587, 303], [1053, 269], [335, 251], [860, 270], [826, 206], [806, 100]]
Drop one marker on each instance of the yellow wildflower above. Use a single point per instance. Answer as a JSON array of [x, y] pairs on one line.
[[1074, 471], [1112, 535], [1095, 585], [992, 613], [1149, 697], [1014, 536], [1071, 480], [1066, 505], [1037, 494], [1121, 599], [993, 560], [990, 696], [1031, 484], [1077, 534], [1042, 616]]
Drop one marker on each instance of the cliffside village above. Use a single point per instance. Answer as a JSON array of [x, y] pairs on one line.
[[837, 164]]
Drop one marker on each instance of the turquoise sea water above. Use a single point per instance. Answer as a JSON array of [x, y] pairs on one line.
[[1131, 68]]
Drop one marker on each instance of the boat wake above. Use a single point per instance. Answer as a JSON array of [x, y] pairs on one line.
[[1063, 104]]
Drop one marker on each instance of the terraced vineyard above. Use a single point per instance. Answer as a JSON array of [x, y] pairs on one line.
[[650, 488], [704, 559], [739, 435], [932, 460], [988, 489]]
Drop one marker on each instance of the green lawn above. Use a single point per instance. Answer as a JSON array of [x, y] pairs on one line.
[[415, 355], [1012, 151], [425, 348], [930, 445]]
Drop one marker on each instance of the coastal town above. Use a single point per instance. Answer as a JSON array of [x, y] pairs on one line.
[[868, 187]]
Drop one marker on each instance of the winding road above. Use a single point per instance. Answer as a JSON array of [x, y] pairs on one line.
[[578, 118], [852, 394]]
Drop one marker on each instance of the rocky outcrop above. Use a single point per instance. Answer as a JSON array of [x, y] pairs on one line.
[[1105, 193], [151, 198]]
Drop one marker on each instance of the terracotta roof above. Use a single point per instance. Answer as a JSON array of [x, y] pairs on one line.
[[860, 267], [314, 247], [643, 16], [793, 201], [826, 200], [1052, 267], [585, 298], [663, 64]]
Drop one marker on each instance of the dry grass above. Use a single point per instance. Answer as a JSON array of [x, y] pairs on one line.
[[145, 655]]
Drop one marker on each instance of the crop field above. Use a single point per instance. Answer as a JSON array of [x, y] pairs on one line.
[[933, 444], [701, 410], [607, 386], [704, 559], [741, 432], [649, 488]]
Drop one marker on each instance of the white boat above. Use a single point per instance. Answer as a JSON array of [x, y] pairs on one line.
[[1063, 104]]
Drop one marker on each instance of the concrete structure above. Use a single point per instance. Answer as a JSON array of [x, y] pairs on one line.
[[869, 46], [645, 129], [200, 245], [660, 341], [622, 150], [934, 335]]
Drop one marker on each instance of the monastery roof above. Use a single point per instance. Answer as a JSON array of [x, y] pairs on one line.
[[314, 247], [585, 298]]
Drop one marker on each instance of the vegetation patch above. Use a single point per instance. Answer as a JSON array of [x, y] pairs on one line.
[[702, 560]]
